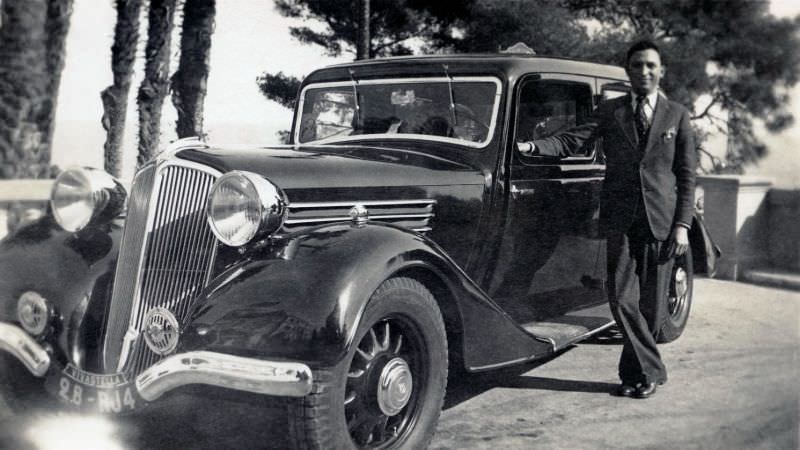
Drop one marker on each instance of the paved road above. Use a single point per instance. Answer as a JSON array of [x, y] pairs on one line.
[[734, 384]]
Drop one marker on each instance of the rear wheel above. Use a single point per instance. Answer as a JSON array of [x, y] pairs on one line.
[[387, 392], [679, 298]]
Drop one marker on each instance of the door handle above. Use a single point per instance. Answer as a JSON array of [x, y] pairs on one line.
[[517, 192]]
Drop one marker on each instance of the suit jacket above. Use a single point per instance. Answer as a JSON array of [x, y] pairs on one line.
[[663, 175]]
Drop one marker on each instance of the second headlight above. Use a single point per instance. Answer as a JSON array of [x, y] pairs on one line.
[[243, 205]]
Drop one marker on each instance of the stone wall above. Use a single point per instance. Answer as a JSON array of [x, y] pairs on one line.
[[784, 229]]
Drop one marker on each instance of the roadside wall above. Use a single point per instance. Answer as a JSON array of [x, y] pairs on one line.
[[755, 226]]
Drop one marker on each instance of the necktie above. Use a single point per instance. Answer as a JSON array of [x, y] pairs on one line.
[[642, 125]]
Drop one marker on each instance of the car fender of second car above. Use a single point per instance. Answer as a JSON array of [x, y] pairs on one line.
[[303, 297], [74, 272]]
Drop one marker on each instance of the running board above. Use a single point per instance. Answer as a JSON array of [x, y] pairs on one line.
[[572, 327]]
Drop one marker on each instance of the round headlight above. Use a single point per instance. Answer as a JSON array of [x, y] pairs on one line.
[[33, 313], [243, 205], [81, 195]]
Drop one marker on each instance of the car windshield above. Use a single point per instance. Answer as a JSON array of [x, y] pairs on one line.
[[461, 110]]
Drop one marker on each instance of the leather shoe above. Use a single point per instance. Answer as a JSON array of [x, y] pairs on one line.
[[645, 390], [625, 390]]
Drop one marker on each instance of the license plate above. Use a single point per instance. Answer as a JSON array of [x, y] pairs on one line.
[[86, 391]]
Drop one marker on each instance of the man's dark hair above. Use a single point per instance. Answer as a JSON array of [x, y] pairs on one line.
[[642, 45]]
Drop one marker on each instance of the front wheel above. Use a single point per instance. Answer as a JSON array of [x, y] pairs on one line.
[[679, 298], [388, 390]]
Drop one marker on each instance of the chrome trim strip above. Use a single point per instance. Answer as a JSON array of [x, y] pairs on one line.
[[233, 372], [16, 341], [375, 217], [307, 205]]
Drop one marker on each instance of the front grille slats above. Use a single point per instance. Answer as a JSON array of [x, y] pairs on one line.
[[175, 265], [133, 241]]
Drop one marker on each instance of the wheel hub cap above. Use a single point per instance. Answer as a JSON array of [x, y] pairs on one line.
[[681, 282], [394, 386]]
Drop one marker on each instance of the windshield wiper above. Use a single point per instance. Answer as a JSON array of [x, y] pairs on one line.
[[450, 90], [355, 98]]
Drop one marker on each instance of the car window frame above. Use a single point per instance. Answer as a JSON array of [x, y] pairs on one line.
[[493, 124], [568, 78]]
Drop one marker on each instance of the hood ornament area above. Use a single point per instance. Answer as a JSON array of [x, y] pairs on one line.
[[359, 214]]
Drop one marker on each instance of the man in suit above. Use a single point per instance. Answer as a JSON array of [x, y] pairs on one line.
[[646, 207]]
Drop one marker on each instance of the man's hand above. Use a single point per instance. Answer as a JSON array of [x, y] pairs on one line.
[[678, 241], [526, 148]]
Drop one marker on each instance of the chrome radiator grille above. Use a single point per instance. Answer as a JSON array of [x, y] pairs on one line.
[[166, 254]]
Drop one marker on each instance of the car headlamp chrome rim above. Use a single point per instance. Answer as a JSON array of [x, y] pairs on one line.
[[243, 205], [33, 313], [81, 196]]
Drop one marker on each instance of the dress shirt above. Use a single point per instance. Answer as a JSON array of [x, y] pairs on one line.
[[649, 105]]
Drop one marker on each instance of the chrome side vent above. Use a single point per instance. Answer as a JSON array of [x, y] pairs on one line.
[[412, 214]]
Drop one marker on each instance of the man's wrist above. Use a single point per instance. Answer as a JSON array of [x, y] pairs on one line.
[[683, 225], [526, 148]]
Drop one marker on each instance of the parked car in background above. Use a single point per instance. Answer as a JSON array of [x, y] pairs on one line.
[[398, 235]]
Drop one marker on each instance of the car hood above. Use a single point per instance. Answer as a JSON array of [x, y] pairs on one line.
[[326, 167]]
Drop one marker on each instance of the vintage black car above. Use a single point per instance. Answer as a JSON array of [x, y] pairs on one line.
[[400, 234]]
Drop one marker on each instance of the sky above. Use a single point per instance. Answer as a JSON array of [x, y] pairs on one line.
[[252, 38]]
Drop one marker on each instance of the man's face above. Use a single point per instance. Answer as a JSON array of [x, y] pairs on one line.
[[645, 71]]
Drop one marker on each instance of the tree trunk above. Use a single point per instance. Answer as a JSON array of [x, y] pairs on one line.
[[155, 85], [363, 38], [57, 26], [31, 60], [115, 97], [189, 82]]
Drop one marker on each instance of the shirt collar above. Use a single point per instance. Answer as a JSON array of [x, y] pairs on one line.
[[651, 100]]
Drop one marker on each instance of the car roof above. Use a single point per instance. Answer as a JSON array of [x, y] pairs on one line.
[[503, 65]]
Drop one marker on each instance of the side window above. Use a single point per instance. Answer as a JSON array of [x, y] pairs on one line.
[[547, 107]]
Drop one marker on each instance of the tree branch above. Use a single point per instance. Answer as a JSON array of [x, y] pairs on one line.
[[707, 108]]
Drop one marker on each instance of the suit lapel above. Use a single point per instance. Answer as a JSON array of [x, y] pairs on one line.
[[624, 117], [660, 116]]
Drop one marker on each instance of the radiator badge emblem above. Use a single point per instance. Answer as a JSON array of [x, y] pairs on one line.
[[161, 331]]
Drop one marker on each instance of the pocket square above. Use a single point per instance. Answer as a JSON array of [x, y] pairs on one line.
[[668, 135]]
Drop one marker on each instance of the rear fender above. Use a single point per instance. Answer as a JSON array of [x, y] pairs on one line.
[[704, 251], [303, 298]]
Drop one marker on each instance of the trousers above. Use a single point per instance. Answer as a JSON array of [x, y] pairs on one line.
[[638, 285]]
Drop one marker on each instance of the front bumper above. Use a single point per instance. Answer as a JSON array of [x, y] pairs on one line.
[[285, 379]]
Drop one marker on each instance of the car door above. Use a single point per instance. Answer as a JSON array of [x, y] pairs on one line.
[[550, 260]]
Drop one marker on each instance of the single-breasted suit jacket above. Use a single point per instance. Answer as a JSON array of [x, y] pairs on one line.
[[662, 174]]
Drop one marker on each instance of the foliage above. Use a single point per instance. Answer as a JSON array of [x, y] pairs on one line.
[[396, 26], [492, 25], [393, 23], [279, 88]]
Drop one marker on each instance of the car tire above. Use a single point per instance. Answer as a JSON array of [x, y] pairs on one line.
[[400, 344], [679, 298]]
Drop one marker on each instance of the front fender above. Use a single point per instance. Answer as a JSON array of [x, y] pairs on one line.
[[302, 299], [73, 271]]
